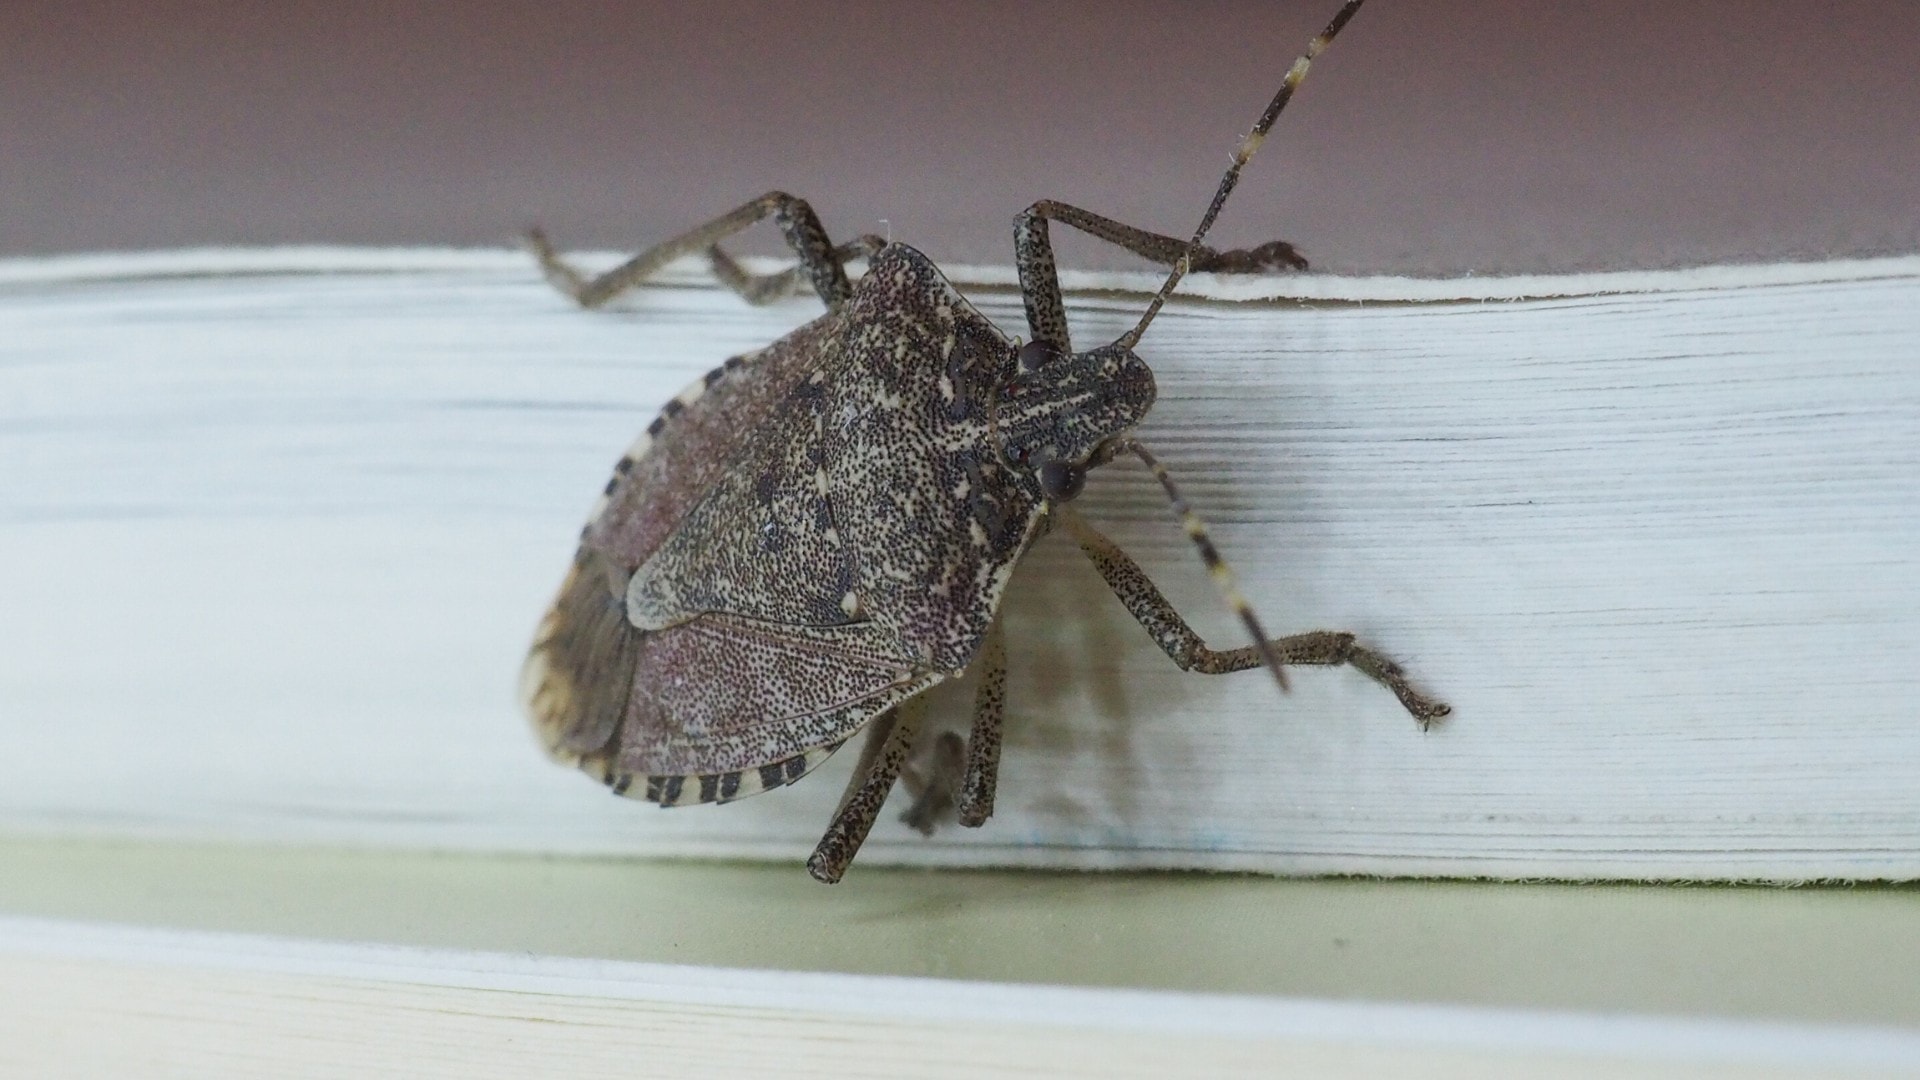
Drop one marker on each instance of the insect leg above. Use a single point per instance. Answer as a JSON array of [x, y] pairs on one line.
[[821, 263], [760, 289], [1039, 278], [933, 779], [983, 742], [1166, 250], [1033, 250], [1150, 608], [965, 775], [889, 741]]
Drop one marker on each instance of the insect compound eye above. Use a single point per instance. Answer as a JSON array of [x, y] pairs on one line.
[[1060, 481], [1034, 355]]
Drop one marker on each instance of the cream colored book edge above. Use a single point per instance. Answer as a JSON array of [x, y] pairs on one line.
[[284, 521], [92, 1000]]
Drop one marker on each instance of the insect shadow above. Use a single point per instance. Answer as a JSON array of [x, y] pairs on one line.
[[814, 534]]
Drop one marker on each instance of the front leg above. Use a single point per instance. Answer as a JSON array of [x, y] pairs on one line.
[[1169, 631], [1040, 279]]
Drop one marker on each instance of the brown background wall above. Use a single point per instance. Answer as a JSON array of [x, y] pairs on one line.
[[1435, 137]]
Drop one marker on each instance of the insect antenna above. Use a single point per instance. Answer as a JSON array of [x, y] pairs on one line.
[[1241, 156], [1217, 568]]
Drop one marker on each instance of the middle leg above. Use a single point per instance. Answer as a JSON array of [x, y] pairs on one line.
[[933, 779], [964, 776], [889, 741], [982, 777]]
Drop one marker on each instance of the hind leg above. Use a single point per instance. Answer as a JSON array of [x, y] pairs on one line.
[[823, 265], [758, 289]]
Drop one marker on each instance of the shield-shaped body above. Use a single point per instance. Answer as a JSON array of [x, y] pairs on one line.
[[806, 537], [815, 533]]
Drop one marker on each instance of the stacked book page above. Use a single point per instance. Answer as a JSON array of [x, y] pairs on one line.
[[276, 528]]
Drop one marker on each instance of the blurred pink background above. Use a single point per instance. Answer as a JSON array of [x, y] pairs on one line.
[[1484, 136]]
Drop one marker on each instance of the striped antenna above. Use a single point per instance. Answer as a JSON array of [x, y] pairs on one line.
[[1216, 566], [1240, 158]]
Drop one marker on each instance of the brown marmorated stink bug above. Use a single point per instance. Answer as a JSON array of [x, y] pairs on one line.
[[812, 535]]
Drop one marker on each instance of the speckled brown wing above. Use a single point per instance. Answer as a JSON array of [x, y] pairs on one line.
[[729, 625], [703, 640], [578, 673], [694, 441], [716, 708], [723, 694], [764, 541]]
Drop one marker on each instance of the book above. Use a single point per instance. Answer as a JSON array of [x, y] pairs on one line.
[[281, 523], [92, 999]]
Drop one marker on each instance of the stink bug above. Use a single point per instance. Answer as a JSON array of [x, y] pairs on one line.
[[812, 535]]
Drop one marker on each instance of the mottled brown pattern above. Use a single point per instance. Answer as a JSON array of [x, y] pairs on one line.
[[853, 552], [762, 542], [650, 499], [767, 635], [913, 467], [722, 693], [883, 450]]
